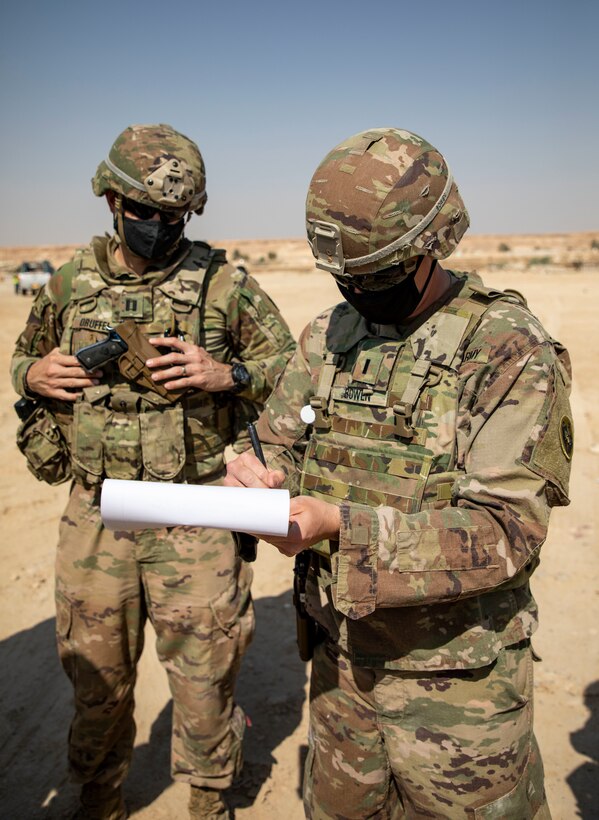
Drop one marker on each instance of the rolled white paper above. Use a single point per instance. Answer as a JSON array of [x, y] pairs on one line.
[[139, 505]]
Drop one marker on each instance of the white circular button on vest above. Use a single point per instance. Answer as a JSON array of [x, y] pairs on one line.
[[307, 414]]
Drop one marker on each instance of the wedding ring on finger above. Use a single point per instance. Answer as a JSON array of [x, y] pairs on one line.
[[183, 370]]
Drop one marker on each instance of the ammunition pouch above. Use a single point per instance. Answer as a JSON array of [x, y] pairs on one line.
[[118, 440], [41, 441]]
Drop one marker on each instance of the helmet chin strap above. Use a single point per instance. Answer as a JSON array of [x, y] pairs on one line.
[[119, 225], [146, 239], [117, 215]]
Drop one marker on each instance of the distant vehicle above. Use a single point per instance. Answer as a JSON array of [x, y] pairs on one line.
[[32, 276]]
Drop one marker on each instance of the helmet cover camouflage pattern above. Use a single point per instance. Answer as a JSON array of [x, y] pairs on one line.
[[154, 165], [380, 198]]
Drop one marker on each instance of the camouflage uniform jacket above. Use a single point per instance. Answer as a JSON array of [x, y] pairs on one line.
[[445, 445], [123, 430]]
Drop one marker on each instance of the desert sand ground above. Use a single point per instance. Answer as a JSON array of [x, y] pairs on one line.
[[563, 289]]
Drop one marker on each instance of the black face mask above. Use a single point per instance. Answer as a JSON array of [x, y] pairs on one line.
[[392, 305], [385, 307], [150, 239]]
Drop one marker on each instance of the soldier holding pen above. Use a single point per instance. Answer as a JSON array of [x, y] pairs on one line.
[[423, 426]]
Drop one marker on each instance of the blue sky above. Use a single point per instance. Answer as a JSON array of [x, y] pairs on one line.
[[508, 91]]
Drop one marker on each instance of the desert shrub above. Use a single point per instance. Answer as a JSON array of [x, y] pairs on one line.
[[576, 264], [236, 253], [503, 247], [540, 260], [272, 255], [595, 245]]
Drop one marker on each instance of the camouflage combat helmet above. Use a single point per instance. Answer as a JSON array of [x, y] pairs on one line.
[[155, 165], [378, 199]]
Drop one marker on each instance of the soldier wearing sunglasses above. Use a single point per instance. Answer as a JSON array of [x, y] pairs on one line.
[[220, 344]]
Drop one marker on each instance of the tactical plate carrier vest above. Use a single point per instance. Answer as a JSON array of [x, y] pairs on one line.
[[385, 434], [123, 430]]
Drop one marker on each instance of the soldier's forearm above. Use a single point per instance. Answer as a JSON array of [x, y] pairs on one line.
[[263, 373], [389, 559], [20, 365]]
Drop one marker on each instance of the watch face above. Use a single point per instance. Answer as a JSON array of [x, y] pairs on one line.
[[240, 375]]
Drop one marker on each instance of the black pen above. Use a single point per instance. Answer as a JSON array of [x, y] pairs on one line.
[[255, 442]]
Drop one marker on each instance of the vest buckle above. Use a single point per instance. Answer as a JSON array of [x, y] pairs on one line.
[[322, 420], [403, 419]]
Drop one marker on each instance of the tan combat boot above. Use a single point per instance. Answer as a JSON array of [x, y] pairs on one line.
[[207, 804], [99, 801]]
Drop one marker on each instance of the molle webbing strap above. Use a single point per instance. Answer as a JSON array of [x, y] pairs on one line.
[[371, 430], [84, 286], [67, 273], [404, 408], [216, 257], [475, 300], [477, 297], [88, 280], [360, 495], [354, 474], [439, 340], [320, 402]]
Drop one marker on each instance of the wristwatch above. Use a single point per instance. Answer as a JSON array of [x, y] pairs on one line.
[[241, 377]]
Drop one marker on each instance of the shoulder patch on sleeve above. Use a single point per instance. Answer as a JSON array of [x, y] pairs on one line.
[[551, 454], [566, 436], [61, 284]]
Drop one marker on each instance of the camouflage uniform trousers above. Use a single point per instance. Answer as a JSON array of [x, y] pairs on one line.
[[392, 744], [196, 592]]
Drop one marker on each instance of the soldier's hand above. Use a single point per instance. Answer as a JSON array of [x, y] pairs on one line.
[[188, 366], [310, 520], [59, 376], [248, 471]]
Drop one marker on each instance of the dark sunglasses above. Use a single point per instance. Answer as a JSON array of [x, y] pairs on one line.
[[144, 212]]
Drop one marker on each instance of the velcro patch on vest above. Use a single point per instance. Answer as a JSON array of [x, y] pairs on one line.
[[87, 323], [367, 366], [360, 535], [359, 394], [444, 491], [374, 363], [135, 306]]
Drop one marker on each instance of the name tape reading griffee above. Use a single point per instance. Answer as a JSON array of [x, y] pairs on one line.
[[139, 505]]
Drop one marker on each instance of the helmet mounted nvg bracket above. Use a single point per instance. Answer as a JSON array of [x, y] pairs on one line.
[[327, 245], [165, 186], [327, 248]]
